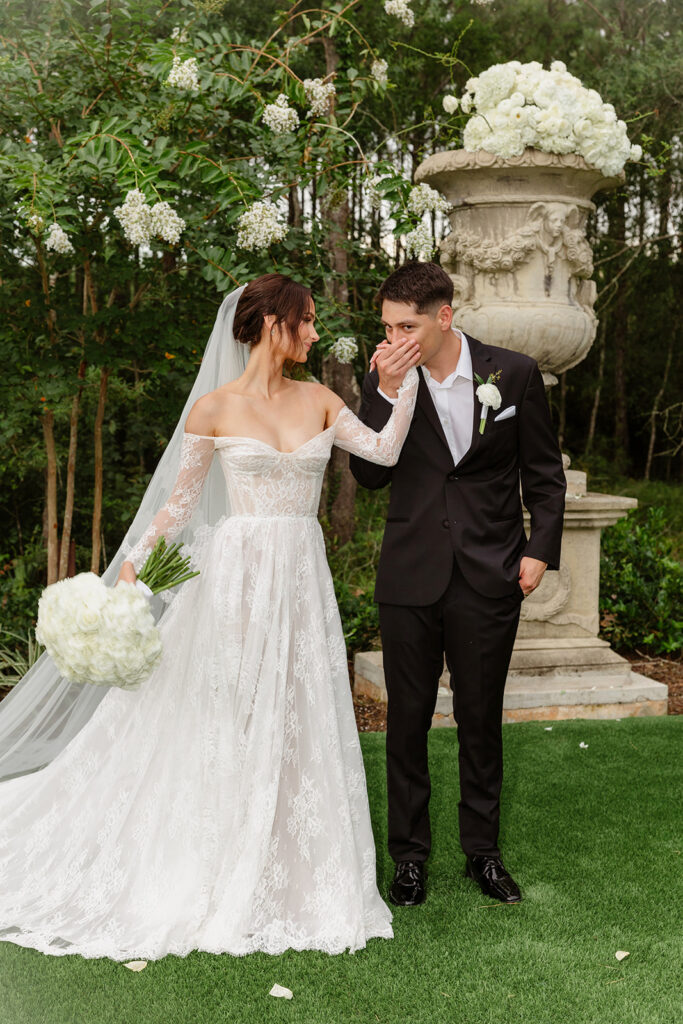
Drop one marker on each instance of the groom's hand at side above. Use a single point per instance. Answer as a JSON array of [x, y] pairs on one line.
[[393, 362], [530, 573]]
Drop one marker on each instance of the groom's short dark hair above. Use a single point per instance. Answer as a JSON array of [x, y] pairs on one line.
[[424, 285]]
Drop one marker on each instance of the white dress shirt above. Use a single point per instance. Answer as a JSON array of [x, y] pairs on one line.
[[454, 401]]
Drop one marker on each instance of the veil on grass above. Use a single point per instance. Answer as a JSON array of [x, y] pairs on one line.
[[43, 712]]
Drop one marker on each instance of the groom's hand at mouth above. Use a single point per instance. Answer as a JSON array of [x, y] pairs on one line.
[[530, 573], [393, 362]]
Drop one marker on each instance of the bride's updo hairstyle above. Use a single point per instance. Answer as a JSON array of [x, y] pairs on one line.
[[270, 295]]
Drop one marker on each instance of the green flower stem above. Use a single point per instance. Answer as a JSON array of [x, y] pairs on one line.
[[165, 567]]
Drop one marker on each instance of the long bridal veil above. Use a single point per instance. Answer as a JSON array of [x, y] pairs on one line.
[[44, 711]]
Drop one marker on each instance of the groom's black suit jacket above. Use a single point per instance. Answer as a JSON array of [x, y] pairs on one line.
[[472, 510]]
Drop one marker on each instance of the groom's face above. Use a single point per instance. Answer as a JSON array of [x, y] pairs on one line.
[[401, 321]]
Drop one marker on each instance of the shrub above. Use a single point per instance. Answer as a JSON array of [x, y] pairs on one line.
[[641, 586]]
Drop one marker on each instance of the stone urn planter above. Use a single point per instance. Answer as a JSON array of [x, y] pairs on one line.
[[521, 266], [517, 251]]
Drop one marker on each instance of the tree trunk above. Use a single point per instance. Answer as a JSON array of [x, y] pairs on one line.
[[51, 495], [97, 499], [598, 386], [339, 376], [655, 409], [65, 546], [620, 324]]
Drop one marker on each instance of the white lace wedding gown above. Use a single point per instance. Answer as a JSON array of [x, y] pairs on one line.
[[223, 806]]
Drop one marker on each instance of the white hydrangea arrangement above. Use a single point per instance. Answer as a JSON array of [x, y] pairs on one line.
[[402, 10], [379, 71], [96, 634], [279, 116], [319, 93], [184, 74], [344, 349], [141, 222], [517, 105], [57, 240], [259, 227], [425, 199]]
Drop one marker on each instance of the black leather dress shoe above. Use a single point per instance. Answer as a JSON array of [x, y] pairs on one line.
[[408, 886], [492, 878]]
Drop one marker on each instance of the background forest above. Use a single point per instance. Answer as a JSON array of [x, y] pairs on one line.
[[99, 346]]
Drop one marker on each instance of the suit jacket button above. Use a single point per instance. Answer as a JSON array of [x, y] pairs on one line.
[[445, 524], [452, 475]]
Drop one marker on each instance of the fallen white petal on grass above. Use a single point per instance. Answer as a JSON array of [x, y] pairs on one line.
[[136, 965], [281, 991], [584, 746], [548, 728], [621, 954]]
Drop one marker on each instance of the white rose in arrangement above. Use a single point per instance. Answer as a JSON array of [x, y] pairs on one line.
[[450, 104], [515, 106], [279, 116], [96, 634]]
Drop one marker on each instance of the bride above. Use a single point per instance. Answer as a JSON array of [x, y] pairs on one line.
[[223, 806]]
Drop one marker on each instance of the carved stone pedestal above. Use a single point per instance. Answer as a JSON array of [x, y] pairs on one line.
[[560, 668]]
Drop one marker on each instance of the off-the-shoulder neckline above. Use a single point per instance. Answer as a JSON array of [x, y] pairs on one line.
[[257, 440]]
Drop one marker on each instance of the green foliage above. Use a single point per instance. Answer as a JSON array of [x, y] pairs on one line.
[[354, 566], [641, 586], [17, 655]]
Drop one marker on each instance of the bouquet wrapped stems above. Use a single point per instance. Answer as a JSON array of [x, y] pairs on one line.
[[165, 567]]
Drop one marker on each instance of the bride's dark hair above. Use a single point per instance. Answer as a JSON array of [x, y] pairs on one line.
[[270, 295]]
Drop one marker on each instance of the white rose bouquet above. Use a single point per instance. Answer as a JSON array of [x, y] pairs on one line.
[[103, 635], [515, 106]]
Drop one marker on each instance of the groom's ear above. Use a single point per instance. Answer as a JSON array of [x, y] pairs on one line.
[[445, 317]]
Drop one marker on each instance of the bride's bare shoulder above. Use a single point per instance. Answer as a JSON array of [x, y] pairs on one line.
[[314, 391], [202, 415]]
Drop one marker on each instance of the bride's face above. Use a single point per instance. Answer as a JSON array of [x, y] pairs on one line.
[[296, 349]]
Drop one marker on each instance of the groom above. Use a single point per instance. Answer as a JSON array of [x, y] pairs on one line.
[[455, 563]]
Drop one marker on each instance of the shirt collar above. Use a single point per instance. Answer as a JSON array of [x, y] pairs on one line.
[[463, 369]]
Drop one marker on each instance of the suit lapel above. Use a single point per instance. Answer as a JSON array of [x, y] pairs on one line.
[[424, 400], [482, 365]]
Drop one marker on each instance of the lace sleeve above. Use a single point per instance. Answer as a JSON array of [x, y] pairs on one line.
[[196, 454], [384, 447]]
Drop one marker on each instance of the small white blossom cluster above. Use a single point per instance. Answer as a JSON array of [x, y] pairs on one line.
[[98, 634], [379, 71], [373, 194], [345, 349], [279, 116], [482, 3], [450, 104], [180, 34], [425, 199], [166, 223], [420, 243], [319, 94], [35, 223], [184, 74], [259, 227], [524, 105], [57, 240], [400, 9], [141, 222]]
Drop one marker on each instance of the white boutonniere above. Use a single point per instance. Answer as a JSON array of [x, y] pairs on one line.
[[489, 396]]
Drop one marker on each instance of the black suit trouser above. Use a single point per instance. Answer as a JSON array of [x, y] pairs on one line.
[[477, 634]]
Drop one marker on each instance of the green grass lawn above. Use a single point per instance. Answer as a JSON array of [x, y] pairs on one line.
[[594, 838]]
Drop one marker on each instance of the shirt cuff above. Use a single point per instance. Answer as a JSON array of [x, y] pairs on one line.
[[386, 398]]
